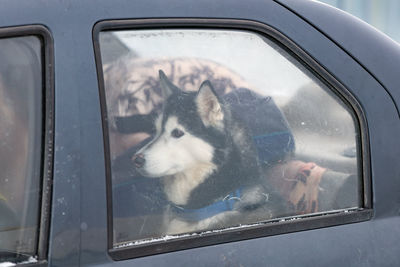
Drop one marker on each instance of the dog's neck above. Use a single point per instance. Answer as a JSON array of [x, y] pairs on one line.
[[179, 186]]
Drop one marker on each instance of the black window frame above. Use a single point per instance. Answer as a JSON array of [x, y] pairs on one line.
[[47, 137], [274, 227]]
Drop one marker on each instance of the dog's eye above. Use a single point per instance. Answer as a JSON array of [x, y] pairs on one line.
[[177, 133]]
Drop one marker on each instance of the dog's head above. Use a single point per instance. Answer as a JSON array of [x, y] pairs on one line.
[[185, 132]]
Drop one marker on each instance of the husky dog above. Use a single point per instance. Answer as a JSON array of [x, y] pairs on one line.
[[206, 160]]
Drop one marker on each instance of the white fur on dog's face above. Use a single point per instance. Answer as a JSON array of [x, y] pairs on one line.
[[168, 155]]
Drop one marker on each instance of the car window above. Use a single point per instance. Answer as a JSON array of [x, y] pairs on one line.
[[215, 130], [20, 147]]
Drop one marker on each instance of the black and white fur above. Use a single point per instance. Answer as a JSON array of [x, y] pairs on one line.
[[203, 153]]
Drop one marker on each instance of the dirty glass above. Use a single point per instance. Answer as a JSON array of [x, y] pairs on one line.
[[20, 143], [216, 129]]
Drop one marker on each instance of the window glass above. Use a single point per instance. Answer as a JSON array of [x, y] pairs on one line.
[[20, 144], [217, 129]]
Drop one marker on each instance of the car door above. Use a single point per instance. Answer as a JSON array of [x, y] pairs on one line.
[[349, 236]]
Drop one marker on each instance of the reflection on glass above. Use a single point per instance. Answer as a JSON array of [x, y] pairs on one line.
[[214, 129], [20, 143]]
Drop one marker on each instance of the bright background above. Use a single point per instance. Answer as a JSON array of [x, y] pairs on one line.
[[382, 14]]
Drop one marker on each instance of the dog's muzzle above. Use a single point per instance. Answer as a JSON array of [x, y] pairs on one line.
[[139, 160]]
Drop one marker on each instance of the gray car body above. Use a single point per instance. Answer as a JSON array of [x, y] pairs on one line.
[[364, 60]]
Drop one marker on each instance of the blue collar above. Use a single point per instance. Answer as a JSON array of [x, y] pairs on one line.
[[226, 204]]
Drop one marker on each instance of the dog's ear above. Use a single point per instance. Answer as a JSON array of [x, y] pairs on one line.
[[167, 87], [209, 106]]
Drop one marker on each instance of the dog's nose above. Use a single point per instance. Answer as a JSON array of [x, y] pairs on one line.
[[139, 160]]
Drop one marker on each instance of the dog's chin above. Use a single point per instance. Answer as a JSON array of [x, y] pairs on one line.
[[169, 172], [147, 174]]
